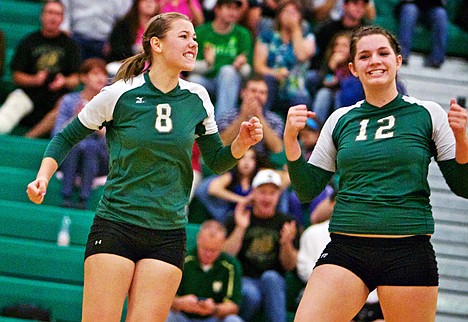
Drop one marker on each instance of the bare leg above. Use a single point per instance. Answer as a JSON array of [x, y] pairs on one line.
[[107, 279], [408, 303], [333, 293], [154, 286]]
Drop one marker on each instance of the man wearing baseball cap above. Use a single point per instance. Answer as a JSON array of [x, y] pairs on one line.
[[266, 242]]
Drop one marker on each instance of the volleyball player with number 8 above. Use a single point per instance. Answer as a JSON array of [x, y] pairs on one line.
[[136, 245], [382, 221]]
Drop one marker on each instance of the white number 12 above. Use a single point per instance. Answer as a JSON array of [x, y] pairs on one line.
[[382, 132]]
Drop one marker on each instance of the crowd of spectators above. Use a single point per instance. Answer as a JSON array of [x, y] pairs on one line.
[[256, 58]]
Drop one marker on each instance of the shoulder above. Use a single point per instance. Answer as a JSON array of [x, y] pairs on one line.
[[241, 30], [207, 26], [431, 106], [194, 88]]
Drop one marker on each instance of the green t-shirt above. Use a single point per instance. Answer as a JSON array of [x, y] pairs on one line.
[[150, 136], [222, 282], [382, 156], [227, 46]]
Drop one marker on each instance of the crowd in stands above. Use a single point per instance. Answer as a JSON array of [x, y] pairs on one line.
[[255, 58]]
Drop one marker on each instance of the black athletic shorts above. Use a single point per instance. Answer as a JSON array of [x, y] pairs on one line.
[[407, 261], [135, 242]]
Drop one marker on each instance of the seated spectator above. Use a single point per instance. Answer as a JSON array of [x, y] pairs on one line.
[[210, 289], [224, 55], [90, 23], [323, 10], [339, 87], [281, 56], [125, 39], [254, 96], [251, 15], [434, 15], [220, 193], [45, 67], [354, 13], [190, 8], [84, 159], [266, 242]]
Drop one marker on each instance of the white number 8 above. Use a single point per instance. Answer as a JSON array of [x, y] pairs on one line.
[[163, 118]]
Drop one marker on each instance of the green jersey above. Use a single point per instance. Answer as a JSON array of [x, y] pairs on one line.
[[150, 136], [221, 282], [382, 157], [226, 46]]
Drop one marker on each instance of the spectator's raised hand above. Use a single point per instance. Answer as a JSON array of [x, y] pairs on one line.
[[242, 215], [58, 82], [41, 77], [240, 61], [288, 232], [209, 54]]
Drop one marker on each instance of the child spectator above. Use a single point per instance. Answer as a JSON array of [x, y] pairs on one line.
[[85, 158]]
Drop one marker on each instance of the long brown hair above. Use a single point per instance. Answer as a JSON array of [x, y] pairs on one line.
[[158, 27]]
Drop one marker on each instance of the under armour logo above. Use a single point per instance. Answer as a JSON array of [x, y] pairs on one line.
[[324, 255], [98, 242], [139, 100]]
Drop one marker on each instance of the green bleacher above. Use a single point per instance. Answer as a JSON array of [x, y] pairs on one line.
[[33, 268], [457, 37]]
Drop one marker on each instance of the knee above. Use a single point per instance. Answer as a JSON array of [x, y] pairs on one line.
[[409, 10], [273, 278], [250, 293], [232, 318], [228, 72], [439, 16]]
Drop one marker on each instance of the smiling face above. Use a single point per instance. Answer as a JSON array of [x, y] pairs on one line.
[[375, 62], [178, 48]]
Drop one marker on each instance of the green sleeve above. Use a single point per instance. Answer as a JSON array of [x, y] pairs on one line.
[[217, 157], [456, 176], [307, 180], [64, 141]]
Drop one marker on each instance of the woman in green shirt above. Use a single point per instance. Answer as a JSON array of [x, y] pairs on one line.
[[137, 242], [382, 220]]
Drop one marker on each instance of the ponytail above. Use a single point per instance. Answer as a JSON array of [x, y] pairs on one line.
[[132, 66]]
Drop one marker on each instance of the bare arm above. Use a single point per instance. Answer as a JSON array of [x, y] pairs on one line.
[[218, 189], [304, 48], [45, 125]]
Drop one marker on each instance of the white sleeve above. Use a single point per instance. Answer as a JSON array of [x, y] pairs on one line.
[[209, 122], [442, 134], [324, 153]]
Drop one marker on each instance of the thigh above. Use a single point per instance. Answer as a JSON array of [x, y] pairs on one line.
[[333, 293], [107, 279], [408, 303], [153, 288]]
